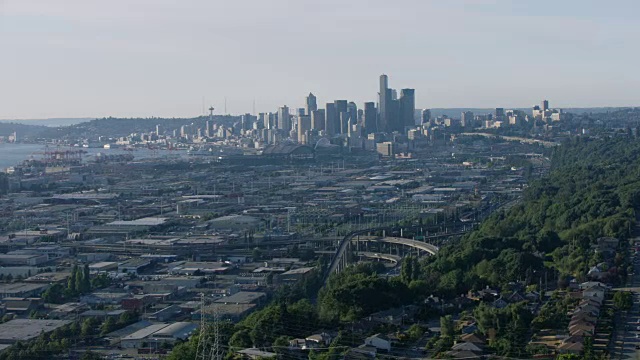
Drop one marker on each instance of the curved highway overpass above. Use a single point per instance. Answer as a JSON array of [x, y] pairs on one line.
[[339, 261]]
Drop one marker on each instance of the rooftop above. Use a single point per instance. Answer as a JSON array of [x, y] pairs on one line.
[[144, 332], [26, 329], [242, 297], [148, 221]]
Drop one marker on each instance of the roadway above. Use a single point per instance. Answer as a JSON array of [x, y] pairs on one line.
[[344, 244], [626, 335], [395, 259], [426, 247]]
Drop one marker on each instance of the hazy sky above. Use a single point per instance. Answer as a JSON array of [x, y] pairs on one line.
[[77, 58]]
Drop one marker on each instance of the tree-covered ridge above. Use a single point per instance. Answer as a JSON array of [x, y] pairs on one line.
[[590, 192]]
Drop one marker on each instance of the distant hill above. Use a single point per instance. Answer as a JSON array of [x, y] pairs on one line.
[[53, 122], [455, 112]]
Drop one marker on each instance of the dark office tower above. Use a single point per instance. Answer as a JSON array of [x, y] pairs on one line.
[[317, 119], [426, 116], [244, 122], [284, 119], [466, 119], [247, 121], [370, 117], [269, 120], [360, 116], [341, 107], [311, 104], [261, 119], [545, 105], [331, 119], [344, 122], [303, 127], [352, 109], [393, 115], [407, 107], [384, 97], [499, 115], [300, 112]]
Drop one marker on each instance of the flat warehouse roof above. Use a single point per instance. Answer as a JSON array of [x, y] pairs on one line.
[[26, 329]]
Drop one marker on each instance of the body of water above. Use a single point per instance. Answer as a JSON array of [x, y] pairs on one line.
[[14, 154]]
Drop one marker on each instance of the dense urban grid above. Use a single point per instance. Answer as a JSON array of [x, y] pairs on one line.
[[329, 233]]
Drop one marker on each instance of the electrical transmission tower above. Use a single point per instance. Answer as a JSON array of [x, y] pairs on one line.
[[207, 350], [216, 353], [203, 340]]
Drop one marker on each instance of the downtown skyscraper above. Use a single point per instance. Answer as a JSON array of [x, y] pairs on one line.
[[384, 104], [310, 104], [407, 108], [370, 118], [394, 114]]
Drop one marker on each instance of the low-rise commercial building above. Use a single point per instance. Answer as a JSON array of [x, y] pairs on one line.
[[27, 329]]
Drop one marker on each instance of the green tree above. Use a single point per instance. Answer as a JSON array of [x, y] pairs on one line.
[[90, 355], [623, 300], [71, 282], [280, 344], [108, 326], [86, 279], [54, 294], [415, 332], [446, 326], [406, 272], [588, 348], [126, 318], [88, 328], [78, 281], [241, 339]]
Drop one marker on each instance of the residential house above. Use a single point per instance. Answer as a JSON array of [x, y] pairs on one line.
[[500, 303], [467, 346], [594, 292], [571, 345], [476, 339], [582, 328], [515, 297], [321, 339], [378, 341]]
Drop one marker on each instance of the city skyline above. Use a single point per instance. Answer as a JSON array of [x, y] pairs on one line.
[[86, 60]]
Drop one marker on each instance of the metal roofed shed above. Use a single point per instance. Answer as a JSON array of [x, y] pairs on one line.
[[148, 221], [243, 297], [235, 222], [134, 340], [232, 312], [133, 265], [27, 329], [191, 267], [174, 332], [289, 150], [103, 266], [295, 274], [21, 289]]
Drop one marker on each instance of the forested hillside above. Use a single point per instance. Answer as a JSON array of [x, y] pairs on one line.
[[591, 192]]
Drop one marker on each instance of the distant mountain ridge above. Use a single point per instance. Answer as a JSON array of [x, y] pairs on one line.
[[455, 112], [51, 122]]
